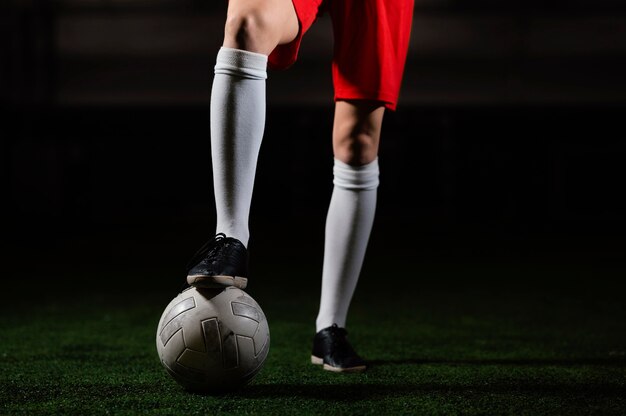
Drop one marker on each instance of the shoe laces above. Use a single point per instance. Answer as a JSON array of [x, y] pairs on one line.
[[211, 250], [339, 336]]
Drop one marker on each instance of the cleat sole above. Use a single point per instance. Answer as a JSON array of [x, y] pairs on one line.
[[317, 360], [320, 361], [211, 282], [357, 369]]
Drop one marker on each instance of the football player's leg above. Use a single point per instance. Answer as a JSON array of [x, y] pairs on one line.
[[253, 29], [366, 82], [356, 137], [237, 114]]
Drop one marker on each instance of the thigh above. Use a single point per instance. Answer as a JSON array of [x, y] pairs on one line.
[[260, 25], [286, 54]]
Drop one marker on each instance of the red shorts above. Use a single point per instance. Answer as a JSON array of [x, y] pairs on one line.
[[371, 39]]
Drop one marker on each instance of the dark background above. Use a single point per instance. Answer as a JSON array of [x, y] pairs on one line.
[[508, 141]]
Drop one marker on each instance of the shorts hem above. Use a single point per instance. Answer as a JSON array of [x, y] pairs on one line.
[[388, 100]]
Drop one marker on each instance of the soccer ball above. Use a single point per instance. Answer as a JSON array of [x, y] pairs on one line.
[[213, 340]]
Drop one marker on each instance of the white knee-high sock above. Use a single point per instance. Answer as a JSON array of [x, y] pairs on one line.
[[237, 127], [348, 227]]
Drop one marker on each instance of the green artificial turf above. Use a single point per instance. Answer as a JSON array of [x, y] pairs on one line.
[[442, 338]]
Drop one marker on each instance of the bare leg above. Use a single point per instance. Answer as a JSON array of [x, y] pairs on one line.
[[356, 131], [260, 25]]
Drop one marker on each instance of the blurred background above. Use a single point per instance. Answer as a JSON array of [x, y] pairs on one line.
[[508, 140]]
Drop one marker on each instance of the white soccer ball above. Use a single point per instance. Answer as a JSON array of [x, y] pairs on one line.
[[212, 340]]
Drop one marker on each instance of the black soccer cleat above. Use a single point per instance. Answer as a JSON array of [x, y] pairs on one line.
[[220, 262], [333, 352]]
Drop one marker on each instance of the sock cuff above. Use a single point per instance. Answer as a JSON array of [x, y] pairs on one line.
[[356, 178], [245, 64]]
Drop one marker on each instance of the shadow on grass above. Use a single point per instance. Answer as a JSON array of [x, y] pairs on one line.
[[368, 391], [565, 362], [343, 390]]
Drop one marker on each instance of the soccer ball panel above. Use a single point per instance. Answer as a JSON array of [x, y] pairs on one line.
[[199, 360], [193, 329], [249, 311], [175, 347], [261, 339], [212, 337], [174, 326], [245, 345], [178, 308]]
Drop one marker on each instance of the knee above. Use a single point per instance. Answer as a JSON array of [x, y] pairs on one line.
[[252, 30], [356, 148], [356, 131]]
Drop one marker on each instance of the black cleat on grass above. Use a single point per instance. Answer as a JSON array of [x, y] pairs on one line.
[[333, 352], [220, 262]]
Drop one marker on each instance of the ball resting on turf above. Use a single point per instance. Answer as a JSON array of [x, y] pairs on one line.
[[213, 340]]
